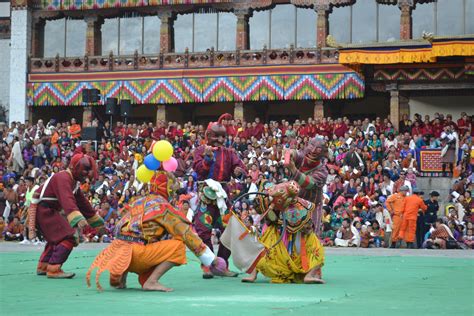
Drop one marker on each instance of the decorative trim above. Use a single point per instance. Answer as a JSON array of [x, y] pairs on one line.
[[95, 221], [57, 5], [192, 87], [416, 72], [408, 52], [74, 217]]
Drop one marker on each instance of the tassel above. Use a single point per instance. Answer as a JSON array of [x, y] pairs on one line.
[[304, 257]]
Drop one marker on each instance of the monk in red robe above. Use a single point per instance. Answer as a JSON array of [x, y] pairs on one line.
[[61, 192]]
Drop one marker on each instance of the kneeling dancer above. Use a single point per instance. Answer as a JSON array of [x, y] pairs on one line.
[[293, 252], [138, 246]]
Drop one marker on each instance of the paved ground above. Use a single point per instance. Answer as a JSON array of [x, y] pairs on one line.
[[360, 281]]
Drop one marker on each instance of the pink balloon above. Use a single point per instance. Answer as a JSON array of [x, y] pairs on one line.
[[170, 165]]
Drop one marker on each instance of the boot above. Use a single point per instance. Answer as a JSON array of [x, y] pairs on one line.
[[207, 274], [393, 245], [54, 271], [41, 268]]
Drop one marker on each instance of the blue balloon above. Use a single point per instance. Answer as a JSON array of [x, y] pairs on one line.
[[151, 162]]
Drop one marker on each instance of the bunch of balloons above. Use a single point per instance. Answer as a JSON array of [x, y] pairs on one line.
[[162, 154]]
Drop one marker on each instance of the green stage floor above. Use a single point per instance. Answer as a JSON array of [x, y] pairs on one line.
[[371, 282]]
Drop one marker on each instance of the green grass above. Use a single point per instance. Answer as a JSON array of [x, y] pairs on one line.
[[356, 285]]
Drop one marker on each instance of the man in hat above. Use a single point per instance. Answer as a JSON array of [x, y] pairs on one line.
[[395, 205], [140, 246], [427, 219], [61, 193], [413, 204]]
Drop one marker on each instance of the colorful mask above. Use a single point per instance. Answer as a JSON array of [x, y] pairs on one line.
[[82, 167], [216, 133]]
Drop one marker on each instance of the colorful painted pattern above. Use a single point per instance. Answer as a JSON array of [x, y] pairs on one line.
[[348, 85], [430, 72], [430, 160], [104, 4]]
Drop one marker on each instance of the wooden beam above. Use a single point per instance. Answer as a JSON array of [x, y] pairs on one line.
[[436, 86]]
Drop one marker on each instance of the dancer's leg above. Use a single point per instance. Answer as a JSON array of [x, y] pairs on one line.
[[152, 283]]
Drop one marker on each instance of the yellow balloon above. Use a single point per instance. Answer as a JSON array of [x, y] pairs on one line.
[[163, 150], [144, 174]]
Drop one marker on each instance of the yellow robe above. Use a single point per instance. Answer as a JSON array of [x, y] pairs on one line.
[[280, 266]]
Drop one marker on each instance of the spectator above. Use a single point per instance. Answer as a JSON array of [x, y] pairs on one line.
[[14, 230]]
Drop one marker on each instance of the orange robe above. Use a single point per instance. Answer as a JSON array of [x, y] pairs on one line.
[[75, 131], [138, 246], [395, 205], [413, 204]]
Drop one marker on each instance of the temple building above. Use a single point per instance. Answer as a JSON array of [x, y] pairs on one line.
[[183, 60]]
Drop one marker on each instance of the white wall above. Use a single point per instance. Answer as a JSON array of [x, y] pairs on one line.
[[4, 72], [453, 105], [20, 46]]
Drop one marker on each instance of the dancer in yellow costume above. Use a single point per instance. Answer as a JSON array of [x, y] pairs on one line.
[[293, 252]]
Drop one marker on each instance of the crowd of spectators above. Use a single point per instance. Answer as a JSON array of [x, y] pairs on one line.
[[368, 161]]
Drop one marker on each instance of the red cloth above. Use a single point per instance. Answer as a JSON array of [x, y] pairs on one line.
[[221, 169], [53, 225]]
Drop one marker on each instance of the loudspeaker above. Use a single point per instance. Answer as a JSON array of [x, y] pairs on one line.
[[94, 95], [90, 133], [125, 108], [111, 106], [86, 96]]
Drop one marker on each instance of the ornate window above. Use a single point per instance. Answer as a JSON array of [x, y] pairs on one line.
[[423, 18], [340, 25], [131, 35], [151, 32], [55, 38], [110, 36], [259, 25], [305, 28], [388, 23], [227, 31], [364, 21], [201, 31], [283, 26]]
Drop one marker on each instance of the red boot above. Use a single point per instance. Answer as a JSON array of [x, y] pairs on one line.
[[54, 271]]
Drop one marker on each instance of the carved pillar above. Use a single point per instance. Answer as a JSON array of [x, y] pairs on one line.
[[37, 37], [406, 25], [94, 35], [394, 105], [322, 24], [87, 117], [318, 109], [242, 38], [239, 111], [166, 31], [160, 113]]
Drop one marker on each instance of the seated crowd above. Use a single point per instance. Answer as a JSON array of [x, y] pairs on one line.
[[369, 161]]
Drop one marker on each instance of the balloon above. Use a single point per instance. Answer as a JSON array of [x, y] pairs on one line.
[[170, 165], [144, 174], [163, 150], [151, 163]]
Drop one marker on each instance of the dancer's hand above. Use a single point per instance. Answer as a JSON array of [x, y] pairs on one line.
[[82, 223], [208, 152]]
